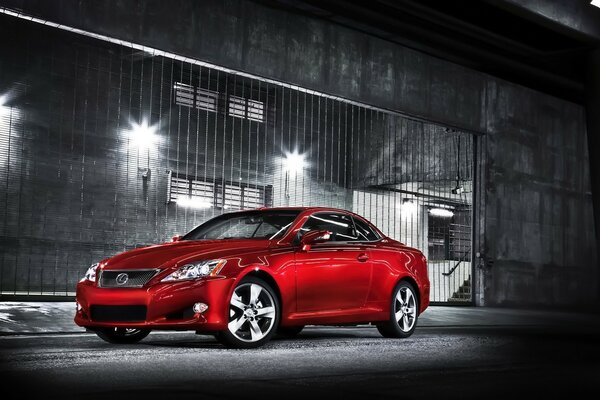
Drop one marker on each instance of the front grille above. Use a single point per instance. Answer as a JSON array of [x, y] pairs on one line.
[[125, 278], [118, 313]]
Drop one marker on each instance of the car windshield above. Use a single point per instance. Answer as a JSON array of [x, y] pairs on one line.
[[256, 224]]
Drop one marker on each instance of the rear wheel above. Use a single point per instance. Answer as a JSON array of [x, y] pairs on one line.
[[404, 311], [289, 331], [253, 315], [122, 335]]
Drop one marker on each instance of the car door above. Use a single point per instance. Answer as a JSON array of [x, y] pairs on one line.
[[334, 275]]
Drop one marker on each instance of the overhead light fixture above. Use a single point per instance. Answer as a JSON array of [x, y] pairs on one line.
[[4, 109], [595, 3], [142, 136], [409, 206], [458, 189], [441, 212], [294, 162], [190, 202]]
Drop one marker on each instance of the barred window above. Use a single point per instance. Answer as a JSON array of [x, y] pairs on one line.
[[246, 108], [207, 99], [256, 110], [204, 99], [184, 94], [200, 193], [237, 106], [189, 96]]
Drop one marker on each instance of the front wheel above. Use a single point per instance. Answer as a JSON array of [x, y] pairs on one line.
[[253, 315], [404, 311], [122, 335]]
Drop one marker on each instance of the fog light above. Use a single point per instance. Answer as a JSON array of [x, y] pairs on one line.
[[199, 308]]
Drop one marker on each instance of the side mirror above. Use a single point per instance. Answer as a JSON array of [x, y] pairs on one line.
[[176, 238], [314, 237]]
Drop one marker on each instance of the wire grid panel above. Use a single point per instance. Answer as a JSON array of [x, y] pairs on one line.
[[104, 164]]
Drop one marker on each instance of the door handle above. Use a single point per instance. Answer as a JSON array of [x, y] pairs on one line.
[[362, 257]]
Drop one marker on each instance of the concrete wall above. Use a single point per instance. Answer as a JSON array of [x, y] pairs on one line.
[[538, 211], [537, 245], [314, 54]]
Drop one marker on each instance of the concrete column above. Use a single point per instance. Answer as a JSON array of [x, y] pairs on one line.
[[593, 135]]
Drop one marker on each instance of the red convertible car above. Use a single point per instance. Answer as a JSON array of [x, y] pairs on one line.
[[244, 276]]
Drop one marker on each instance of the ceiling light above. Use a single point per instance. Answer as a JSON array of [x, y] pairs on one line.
[[294, 162], [142, 136], [458, 189], [409, 206], [441, 212], [189, 202], [4, 109], [595, 3]]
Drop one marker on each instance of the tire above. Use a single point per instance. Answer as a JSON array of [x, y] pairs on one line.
[[253, 315], [122, 335], [289, 331], [404, 312]]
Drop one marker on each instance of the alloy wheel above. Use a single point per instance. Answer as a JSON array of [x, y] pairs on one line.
[[405, 308], [252, 312]]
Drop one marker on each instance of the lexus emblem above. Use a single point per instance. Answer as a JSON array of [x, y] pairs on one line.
[[122, 279]]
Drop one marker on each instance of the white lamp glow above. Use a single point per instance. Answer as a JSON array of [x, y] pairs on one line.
[[4, 110], [142, 136], [441, 212], [595, 3], [193, 203], [294, 162], [409, 207]]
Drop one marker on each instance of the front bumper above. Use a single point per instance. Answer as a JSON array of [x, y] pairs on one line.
[[168, 305]]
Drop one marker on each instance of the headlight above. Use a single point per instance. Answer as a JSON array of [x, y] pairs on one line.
[[90, 274], [196, 270]]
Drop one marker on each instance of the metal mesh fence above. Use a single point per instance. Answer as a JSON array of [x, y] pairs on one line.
[[105, 148]]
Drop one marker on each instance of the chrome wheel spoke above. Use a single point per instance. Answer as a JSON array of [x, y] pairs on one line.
[[399, 315], [405, 323], [255, 291], [255, 331], [266, 312], [410, 311], [237, 303], [236, 324], [399, 297]]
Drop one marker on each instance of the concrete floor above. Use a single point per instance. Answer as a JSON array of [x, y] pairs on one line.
[[447, 362]]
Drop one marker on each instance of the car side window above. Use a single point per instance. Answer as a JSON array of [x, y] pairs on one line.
[[340, 226], [364, 231]]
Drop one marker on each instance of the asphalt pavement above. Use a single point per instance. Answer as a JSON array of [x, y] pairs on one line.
[[456, 352]]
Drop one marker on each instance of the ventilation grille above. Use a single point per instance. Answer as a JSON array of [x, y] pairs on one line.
[[199, 193], [118, 313], [125, 278], [204, 99]]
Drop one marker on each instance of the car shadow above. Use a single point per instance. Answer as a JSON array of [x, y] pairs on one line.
[[209, 342]]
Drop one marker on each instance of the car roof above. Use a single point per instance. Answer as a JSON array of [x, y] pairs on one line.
[[303, 209], [315, 209]]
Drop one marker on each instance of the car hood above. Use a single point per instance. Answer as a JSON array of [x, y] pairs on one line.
[[167, 255]]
